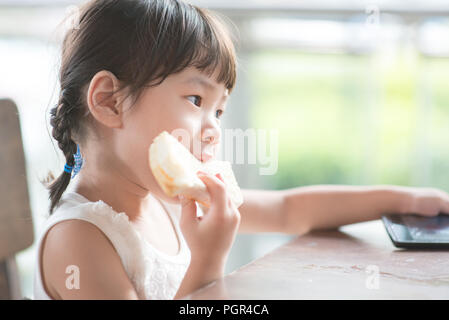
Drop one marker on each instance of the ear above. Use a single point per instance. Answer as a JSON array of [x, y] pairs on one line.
[[104, 103]]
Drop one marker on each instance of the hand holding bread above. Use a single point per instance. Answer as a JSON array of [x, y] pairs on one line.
[[175, 170], [211, 184]]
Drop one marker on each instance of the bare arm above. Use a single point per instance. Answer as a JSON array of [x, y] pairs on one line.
[[299, 210], [99, 270], [331, 206], [262, 211], [209, 238], [198, 275]]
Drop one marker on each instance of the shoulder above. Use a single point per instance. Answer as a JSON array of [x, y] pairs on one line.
[[68, 236], [80, 249]]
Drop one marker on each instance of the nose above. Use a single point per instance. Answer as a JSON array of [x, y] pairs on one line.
[[210, 139], [210, 135]]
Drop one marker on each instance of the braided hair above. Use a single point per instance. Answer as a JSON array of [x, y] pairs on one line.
[[63, 121], [141, 42]]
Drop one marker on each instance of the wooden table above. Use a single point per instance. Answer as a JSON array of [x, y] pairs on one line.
[[355, 262]]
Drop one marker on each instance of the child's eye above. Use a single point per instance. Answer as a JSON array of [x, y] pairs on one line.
[[196, 100], [218, 113]]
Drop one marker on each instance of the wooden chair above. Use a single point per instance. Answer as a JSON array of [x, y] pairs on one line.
[[16, 225]]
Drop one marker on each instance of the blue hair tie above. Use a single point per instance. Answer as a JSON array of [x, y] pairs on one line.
[[78, 163]]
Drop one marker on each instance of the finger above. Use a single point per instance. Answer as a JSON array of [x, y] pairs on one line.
[[218, 175], [446, 202], [445, 207], [235, 213], [216, 189], [231, 206], [188, 211]]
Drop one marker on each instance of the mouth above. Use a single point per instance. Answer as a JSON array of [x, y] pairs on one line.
[[207, 153], [206, 156]]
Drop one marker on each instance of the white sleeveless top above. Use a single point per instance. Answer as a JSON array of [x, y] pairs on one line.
[[154, 274]]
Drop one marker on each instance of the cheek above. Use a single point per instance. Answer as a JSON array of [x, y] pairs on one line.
[[171, 114], [143, 125], [133, 141], [182, 122]]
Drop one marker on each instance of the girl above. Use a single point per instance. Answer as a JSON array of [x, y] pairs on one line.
[[130, 70]]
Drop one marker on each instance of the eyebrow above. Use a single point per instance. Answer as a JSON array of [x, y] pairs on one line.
[[207, 84]]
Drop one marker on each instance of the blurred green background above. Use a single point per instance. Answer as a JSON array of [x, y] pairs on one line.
[[353, 119]]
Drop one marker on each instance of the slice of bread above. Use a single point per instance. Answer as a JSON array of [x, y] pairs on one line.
[[175, 169]]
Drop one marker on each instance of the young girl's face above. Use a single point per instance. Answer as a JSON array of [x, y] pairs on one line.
[[189, 101]]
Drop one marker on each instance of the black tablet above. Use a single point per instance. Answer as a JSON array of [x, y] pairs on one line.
[[412, 231]]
